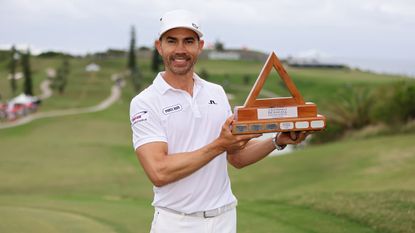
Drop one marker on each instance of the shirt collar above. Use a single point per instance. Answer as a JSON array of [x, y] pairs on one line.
[[162, 86]]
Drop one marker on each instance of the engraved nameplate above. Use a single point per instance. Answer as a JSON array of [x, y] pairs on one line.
[[273, 113]]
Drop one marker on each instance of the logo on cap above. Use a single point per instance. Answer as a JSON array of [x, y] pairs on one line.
[[195, 26]]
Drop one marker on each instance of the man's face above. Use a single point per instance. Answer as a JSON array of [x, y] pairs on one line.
[[179, 48]]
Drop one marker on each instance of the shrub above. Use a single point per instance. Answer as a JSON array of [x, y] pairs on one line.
[[352, 108], [332, 132], [395, 104]]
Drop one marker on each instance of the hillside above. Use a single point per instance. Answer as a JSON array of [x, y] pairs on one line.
[[79, 173]]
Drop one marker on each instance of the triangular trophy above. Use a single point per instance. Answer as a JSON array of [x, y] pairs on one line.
[[281, 114]]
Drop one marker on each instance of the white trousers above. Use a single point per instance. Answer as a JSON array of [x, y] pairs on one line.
[[167, 222]]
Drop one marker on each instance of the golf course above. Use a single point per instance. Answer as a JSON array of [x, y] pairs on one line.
[[78, 173]]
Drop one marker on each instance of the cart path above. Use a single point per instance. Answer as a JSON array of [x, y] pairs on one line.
[[114, 96], [45, 89]]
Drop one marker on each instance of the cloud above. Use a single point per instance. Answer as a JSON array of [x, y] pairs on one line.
[[346, 28]]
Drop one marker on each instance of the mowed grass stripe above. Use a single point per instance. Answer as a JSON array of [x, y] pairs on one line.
[[33, 220], [120, 214], [384, 211], [283, 217]]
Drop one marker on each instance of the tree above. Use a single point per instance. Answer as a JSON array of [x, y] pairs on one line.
[[13, 64], [62, 76], [246, 79], [155, 61], [65, 66], [219, 46], [27, 74], [132, 63]]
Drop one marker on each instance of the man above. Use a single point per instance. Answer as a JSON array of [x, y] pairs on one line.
[[182, 138]]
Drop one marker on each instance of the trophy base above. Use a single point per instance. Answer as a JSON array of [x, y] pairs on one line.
[[279, 125]]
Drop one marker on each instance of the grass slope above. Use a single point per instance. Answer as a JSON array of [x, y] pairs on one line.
[[368, 182], [91, 179]]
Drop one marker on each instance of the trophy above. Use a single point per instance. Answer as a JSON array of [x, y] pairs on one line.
[[281, 114]]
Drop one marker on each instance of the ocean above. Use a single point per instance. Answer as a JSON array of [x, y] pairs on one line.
[[404, 67]]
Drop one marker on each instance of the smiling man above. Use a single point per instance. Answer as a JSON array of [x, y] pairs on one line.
[[181, 135]]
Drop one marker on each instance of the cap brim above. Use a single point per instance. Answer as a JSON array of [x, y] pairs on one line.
[[199, 33]]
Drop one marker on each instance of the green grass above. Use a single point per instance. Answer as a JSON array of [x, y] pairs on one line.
[[79, 173], [84, 89], [386, 211], [91, 178], [367, 182], [276, 216]]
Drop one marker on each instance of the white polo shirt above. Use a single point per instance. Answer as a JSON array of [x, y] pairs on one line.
[[186, 123]]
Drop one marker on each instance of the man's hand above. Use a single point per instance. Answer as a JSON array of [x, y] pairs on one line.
[[292, 137], [230, 142]]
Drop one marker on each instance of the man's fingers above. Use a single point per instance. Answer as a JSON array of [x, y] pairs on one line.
[[301, 136], [227, 126], [297, 136], [230, 119], [228, 122], [304, 134], [293, 135]]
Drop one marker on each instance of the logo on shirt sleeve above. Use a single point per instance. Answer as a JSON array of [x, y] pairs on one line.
[[138, 117]]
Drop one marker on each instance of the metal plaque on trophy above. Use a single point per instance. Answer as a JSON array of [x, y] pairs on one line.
[[280, 114]]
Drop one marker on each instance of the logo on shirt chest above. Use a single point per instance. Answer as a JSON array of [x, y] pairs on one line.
[[212, 102], [172, 109]]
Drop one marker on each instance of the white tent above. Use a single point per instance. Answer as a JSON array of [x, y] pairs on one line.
[[92, 67], [23, 99]]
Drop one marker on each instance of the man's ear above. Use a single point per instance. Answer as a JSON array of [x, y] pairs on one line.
[[157, 44], [201, 44]]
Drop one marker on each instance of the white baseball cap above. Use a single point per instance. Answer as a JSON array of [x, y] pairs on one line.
[[179, 19]]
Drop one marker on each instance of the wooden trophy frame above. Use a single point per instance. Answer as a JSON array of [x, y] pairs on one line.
[[281, 114]]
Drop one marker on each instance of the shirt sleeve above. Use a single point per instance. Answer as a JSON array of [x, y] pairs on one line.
[[146, 124]]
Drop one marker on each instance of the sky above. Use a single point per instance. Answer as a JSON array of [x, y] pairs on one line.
[[368, 29]]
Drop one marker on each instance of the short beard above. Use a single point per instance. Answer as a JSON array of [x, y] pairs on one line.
[[181, 70]]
